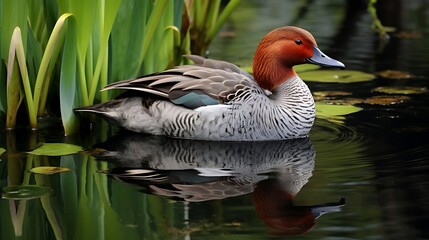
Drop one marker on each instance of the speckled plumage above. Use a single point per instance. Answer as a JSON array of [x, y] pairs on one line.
[[206, 170], [216, 100], [251, 114]]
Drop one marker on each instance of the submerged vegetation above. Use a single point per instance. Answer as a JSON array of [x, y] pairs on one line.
[[56, 55]]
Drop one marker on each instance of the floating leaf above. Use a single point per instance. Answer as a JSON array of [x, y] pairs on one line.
[[336, 76], [401, 90], [408, 35], [394, 74], [305, 67], [332, 93], [376, 100], [319, 96], [48, 170], [2, 150], [335, 113], [386, 100], [56, 149], [24, 192], [326, 109]]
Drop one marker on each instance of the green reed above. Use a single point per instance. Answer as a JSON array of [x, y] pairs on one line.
[[59, 51]]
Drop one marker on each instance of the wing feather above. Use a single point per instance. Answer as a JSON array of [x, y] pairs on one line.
[[206, 82]]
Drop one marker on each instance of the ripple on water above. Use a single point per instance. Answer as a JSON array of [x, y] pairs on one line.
[[337, 140], [368, 142]]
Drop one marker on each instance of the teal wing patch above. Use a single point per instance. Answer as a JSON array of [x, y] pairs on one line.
[[191, 99]]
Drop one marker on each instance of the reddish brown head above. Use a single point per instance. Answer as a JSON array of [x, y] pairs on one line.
[[275, 208], [280, 50]]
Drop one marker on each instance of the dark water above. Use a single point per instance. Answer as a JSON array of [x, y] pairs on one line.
[[365, 178]]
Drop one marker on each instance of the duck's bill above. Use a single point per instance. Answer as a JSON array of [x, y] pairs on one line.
[[322, 59]]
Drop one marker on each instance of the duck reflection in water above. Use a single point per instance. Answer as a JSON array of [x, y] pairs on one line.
[[194, 171]]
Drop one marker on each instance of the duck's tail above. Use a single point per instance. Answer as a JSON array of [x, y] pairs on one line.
[[129, 113], [103, 108]]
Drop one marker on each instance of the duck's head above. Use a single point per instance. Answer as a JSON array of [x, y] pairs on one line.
[[283, 48]]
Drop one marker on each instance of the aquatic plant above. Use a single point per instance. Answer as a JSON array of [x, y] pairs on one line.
[[202, 21], [56, 54]]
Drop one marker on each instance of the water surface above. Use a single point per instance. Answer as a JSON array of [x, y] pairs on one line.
[[367, 172]]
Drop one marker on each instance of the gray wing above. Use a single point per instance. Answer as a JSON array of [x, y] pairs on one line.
[[207, 82]]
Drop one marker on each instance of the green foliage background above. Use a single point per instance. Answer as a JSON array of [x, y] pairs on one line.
[[59, 52]]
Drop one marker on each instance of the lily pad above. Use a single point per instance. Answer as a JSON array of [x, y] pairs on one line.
[[332, 93], [408, 35], [326, 109], [24, 192], [56, 149], [386, 100], [48, 170], [401, 90], [394, 74], [336, 76], [335, 113], [305, 67], [319, 96], [375, 100]]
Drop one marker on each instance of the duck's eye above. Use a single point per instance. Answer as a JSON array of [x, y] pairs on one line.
[[298, 41]]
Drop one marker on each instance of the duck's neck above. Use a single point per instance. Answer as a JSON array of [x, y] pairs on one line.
[[292, 93], [270, 72]]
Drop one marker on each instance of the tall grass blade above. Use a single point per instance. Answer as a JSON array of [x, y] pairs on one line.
[[113, 40], [178, 11], [160, 48], [17, 49], [232, 4], [49, 206], [69, 191], [104, 96], [68, 79], [152, 25], [212, 17], [111, 8], [204, 19], [130, 21], [33, 55], [12, 14], [47, 64], [200, 10], [36, 18], [85, 18], [14, 95], [51, 15]]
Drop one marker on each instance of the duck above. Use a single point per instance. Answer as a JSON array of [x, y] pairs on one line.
[[275, 206], [196, 171], [218, 101]]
